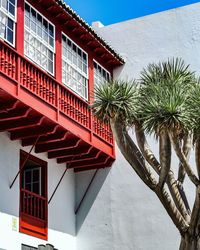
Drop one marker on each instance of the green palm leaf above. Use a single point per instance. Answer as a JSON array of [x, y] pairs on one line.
[[115, 99], [165, 89]]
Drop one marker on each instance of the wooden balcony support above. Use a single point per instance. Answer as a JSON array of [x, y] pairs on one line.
[[22, 164], [33, 104], [60, 152], [75, 154]]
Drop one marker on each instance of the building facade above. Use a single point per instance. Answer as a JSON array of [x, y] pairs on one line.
[[56, 181], [50, 60], [133, 218]]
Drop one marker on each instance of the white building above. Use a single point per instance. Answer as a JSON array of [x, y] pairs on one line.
[[90, 209], [153, 38]]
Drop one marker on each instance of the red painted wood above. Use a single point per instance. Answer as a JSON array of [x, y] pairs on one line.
[[99, 159], [75, 154], [33, 207], [39, 97], [45, 139], [91, 78], [36, 130], [51, 146], [82, 38], [60, 152], [58, 55], [21, 123], [44, 87], [20, 27]]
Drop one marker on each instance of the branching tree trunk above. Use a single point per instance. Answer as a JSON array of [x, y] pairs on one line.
[[165, 104]]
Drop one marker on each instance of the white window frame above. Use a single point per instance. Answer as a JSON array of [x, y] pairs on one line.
[[41, 40], [13, 18], [86, 76], [94, 61]]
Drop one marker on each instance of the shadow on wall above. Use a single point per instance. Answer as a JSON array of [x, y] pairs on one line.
[[60, 210], [88, 185]]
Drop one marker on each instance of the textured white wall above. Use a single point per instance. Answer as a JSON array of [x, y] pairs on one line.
[[126, 215], [156, 37], [61, 218]]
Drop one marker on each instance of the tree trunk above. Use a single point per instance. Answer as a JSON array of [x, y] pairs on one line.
[[190, 243]]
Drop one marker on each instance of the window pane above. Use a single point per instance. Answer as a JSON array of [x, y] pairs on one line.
[[36, 175], [3, 18], [50, 66], [27, 174], [28, 187], [6, 22], [84, 68], [10, 35], [51, 41], [27, 9], [100, 74], [36, 188], [51, 33], [3, 31], [84, 57], [33, 14], [33, 26], [39, 48], [38, 56], [27, 21], [12, 9], [43, 61], [63, 38], [69, 43], [74, 67], [50, 55], [39, 20], [10, 23], [4, 4]]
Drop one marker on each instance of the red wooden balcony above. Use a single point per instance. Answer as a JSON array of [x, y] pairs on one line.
[[33, 205], [40, 111], [33, 216]]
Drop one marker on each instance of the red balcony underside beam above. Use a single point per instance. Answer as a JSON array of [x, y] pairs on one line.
[[101, 160], [75, 154], [19, 123], [63, 143], [28, 125], [35, 130], [5, 107], [14, 114], [57, 136], [94, 166]]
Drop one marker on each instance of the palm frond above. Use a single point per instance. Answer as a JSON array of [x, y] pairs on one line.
[[193, 104], [174, 70], [115, 99], [164, 92]]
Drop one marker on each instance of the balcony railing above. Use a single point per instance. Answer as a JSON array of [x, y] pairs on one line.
[[33, 205], [43, 86]]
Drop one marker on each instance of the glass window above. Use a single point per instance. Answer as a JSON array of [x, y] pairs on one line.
[[100, 74], [7, 20], [74, 67], [39, 39], [32, 179]]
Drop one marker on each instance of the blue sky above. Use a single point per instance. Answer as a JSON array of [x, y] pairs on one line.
[[113, 11]]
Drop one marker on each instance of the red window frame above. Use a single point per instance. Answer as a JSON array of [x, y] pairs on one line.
[[33, 209]]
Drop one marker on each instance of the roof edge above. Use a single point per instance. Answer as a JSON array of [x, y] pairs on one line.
[[83, 23]]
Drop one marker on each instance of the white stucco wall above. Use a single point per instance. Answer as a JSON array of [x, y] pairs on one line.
[[61, 217], [126, 215]]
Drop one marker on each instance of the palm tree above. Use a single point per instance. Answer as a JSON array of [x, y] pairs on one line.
[[165, 104]]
